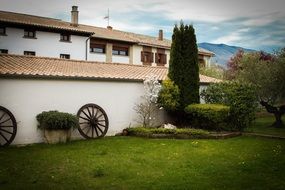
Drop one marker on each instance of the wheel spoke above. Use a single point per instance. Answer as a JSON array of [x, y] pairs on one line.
[[100, 129], [101, 120], [92, 131], [90, 115], [84, 122], [84, 128], [97, 111], [2, 116], [6, 131], [88, 130], [95, 128], [5, 120], [85, 114], [92, 111], [4, 137], [99, 116], [84, 118], [101, 125], [6, 126]]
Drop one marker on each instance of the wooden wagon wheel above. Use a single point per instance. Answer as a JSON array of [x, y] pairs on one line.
[[8, 127], [93, 121]]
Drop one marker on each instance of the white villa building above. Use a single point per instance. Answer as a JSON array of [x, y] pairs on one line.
[[23, 34], [48, 64]]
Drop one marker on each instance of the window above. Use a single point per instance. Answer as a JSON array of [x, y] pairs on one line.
[[120, 50], [146, 56], [65, 37], [64, 56], [160, 57], [29, 33], [4, 51], [30, 53], [97, 48], [2, 30]]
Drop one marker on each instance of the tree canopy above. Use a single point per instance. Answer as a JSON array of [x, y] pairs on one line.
[[183, 66], [267, 73]]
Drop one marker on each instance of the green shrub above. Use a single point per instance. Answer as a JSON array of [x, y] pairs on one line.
[[147, 131], [57, 120], [169, 96], [240, 97], [208, 116]]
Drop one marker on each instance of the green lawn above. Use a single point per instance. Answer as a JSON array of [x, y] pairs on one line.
[[137, 163], [262, 125]]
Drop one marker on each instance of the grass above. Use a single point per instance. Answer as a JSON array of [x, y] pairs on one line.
[[262, 125], [138, 163]]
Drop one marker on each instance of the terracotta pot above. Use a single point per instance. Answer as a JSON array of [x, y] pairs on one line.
[[53, 136]]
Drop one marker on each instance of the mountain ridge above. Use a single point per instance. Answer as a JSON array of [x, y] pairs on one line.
[[223, 52]]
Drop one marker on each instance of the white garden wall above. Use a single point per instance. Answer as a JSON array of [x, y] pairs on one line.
[[25, 98]]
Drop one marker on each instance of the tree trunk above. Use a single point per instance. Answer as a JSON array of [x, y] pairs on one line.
[[278, 121], [277, 111]]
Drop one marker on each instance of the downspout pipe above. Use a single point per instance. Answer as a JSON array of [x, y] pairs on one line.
[[86, 49]]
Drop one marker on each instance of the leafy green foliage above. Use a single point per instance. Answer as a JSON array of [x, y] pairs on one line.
[[234, 65], [240, 97], [213, 71], [264, 71], [169, 95], [209, 116], [148, 131], [183, 64], [57, 120]]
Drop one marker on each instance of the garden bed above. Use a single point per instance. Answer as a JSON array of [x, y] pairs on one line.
[[184, 133]]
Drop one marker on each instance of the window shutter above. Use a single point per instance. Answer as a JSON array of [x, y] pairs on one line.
[[156, 57], [151, 57], [164, 59], [142, 56]]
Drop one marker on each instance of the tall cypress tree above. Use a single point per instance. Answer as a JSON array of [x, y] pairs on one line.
[[183, 65]]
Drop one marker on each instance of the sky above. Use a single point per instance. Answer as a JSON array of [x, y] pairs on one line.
[[254, 24]]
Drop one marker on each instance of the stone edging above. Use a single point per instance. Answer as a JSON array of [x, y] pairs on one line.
[[263, 135]]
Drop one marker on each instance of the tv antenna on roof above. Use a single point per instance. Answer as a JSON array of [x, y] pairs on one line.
[[108, 17]]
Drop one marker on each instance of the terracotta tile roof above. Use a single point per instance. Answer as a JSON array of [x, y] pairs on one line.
[[100, 32], [206, 79], [37, 21], [54, 67], [32, 66]]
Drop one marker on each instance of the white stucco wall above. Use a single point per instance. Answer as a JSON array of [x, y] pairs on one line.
[[100, 57], [137, 54], [26, 98], [202, 87], [120, 59], [167, 52], [47, 44]]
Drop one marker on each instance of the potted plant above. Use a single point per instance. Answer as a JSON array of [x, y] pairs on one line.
[[57, 126]]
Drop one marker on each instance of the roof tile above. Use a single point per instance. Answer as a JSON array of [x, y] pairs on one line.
[[20, 65]]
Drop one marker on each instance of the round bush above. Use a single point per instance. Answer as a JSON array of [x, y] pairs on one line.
[[209, 116], [57, 120]]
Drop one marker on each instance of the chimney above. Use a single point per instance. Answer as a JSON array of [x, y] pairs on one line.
[[74, 16], [160, 35]]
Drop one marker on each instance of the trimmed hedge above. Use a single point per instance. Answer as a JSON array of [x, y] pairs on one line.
[[57, 120], [240, 97], [208, 116], [154, 132]]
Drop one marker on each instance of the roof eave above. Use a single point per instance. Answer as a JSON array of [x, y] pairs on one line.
[[42, 26]]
